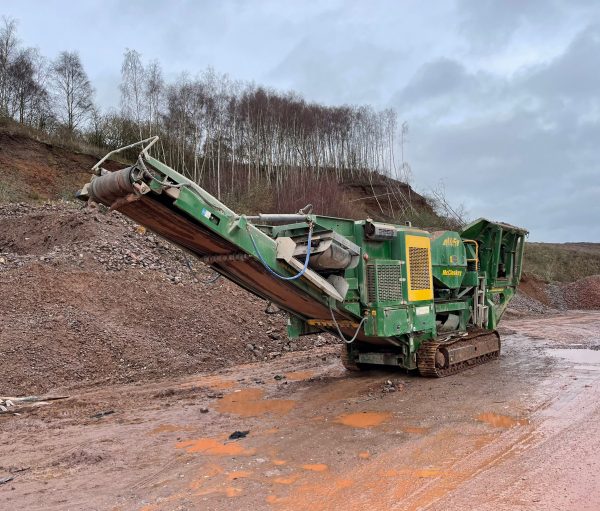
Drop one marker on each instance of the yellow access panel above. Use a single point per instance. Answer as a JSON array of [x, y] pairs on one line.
[[418, 268]]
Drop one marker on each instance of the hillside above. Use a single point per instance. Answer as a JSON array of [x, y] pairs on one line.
[[562, 262], [559, 276], [33, 169]]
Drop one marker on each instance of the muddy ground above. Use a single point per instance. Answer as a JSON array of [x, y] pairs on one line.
[[520, 433]]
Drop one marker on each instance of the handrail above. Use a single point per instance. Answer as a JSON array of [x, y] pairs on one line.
[[152, 141], [476, 259]]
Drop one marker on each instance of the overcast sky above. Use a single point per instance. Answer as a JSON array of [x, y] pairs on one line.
[[502, 98]]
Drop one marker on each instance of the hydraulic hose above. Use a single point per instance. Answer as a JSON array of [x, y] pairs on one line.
[[340, 334], [273, 272]]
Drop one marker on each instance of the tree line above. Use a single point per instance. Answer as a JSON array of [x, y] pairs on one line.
[[232, 137], [45, 95]]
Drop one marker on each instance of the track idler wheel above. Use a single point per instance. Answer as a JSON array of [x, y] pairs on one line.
[[440, 359]]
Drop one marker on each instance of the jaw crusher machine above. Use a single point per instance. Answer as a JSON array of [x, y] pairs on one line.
[[396, 295]]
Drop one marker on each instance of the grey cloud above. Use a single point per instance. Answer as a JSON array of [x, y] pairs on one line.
[[444, 88], [438, 78], [311, 64], [535, 160], [575, 73], [490, 24]]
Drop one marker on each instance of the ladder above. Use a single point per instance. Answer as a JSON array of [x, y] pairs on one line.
[[480, 309]]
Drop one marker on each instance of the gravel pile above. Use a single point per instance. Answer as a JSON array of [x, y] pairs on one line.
[[90, 297], [583, 293], [523, 303], [556, 295], [66, 232]]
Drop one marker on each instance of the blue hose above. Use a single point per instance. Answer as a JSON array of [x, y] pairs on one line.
[[273, 272]]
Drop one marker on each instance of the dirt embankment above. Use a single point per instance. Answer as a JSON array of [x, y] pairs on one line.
[[34, 170], [562, 262], [536, 296], [559, 276], [89, 297]]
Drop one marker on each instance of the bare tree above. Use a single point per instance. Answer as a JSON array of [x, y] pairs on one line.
[[27, 96], [40, 113], [154, 90], [21, 85], [455, 215], [214, 129], [133, 80], [73, 92], [8, 48], [23, 73], [95, 134]]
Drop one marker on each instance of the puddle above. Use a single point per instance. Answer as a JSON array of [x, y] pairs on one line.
[[585, 358], [250, 403], [290, 479], [232, 492], [501, 421], [363, 419], [229, 491], [342, 484], [212, 447], [299, 375], [428, 472], [317, 467], [206, 474]]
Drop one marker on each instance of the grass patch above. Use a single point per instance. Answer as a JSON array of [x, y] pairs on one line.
[[562, 262], [9, 194]]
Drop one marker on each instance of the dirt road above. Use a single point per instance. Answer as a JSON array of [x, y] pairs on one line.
[[520, 433]]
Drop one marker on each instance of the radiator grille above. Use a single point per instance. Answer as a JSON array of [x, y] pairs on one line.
[[389, 283], [419, 268], [371, 293], [384, 282]]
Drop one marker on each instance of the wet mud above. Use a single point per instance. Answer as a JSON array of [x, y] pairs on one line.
[[519, 433]]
